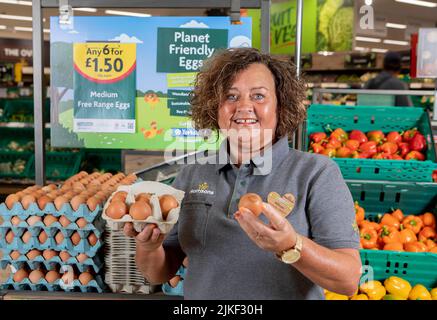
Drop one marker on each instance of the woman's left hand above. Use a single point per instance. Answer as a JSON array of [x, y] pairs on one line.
[[276, 237]]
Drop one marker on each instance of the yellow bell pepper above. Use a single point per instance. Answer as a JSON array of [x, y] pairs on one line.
[[360, 296], [434, 294], [335, 296], [373, 289], [393, 297], [419, 292], [398, 287]]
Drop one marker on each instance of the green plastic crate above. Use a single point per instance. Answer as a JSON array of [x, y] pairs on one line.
[[60, 165], [386, 119], [412, 198], [10, 156], [20, 135]]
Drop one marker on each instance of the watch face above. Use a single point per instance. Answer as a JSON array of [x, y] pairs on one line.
[[291, 256]]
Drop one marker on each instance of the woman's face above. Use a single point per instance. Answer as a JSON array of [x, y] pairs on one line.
[[249, 108]]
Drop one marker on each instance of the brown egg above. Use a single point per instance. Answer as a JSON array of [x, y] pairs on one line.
[[9, 236], [185, 262], [20, 275], [49, 220], [140, 210], [11, 200], [15, 254], [143, 196], [116, 210], [92, 239], [93, 202], [84, 182], [33, 220], [64, 255], [95, 183], [63, 220], [85, 278], [132, 177], [76, 202], [174, 281], [68, 277], [66, 186], [81, 223], [75, 238], [26, 237], [52, 276], [42, 201], [81, 257], [49, 188], [78, 186], [253, 202], [60, 201], [59, 238], [49, 254], [53, 195], [15, 220], [82, 174], [27, 200], [119, 196], [69, 195], [43, 237], [38, 194], [32, 254], [167, 202], [35, 276]]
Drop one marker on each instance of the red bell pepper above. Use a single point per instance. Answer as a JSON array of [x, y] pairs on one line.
[[418, 142]]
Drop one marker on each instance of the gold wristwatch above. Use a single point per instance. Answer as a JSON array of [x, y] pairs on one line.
[[292, 255]]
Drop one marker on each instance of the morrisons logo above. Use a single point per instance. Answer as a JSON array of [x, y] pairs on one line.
[[203, 188]]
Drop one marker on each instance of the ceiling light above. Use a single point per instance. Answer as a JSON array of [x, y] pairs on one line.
[[11, 17], [127, 13], [368, 2], [85, 9], [419, 3], [379, 50], [360, 49], [368, 39], [397, 42], [396, 25], [29, 29], [2, 27], [24, 3], [326, 53]]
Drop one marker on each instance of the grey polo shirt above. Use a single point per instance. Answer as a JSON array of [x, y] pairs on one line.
[[223, 262]]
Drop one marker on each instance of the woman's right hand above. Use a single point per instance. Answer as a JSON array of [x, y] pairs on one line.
[[150, 239]]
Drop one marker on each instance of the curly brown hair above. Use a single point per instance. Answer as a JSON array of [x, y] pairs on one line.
[[218, 73]]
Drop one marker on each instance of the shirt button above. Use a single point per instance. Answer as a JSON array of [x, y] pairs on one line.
[[243, 183]]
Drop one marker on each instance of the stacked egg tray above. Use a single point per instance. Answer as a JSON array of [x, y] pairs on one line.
[[95, 225], [121, 273]]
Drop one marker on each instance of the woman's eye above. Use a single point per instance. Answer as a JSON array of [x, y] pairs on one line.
[[232, 97], [258, 96]]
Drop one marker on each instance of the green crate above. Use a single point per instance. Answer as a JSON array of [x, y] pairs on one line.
[[106, 160], [386, 119], [10, 156], [20, 135], [21, 110], [379, 197], [60, 165]]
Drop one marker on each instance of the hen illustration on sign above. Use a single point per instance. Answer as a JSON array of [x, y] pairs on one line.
[[104, 87]]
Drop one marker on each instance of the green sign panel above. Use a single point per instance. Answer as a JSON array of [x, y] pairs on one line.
[[184, 49]]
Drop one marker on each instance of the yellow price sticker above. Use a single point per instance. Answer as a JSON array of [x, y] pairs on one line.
[[104, 62]]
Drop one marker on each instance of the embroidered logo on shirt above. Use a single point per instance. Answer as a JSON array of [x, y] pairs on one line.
[[203, 188], [355, 227]]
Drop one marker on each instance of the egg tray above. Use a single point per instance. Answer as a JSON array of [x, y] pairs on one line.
[[17, 210], [95, 285], [54, 263], [131, 289]]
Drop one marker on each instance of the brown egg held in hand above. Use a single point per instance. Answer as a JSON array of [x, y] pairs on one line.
[[64, 255], [27, 200], [49, 220], [59, 238], [11, 200], [32, 254], [140, 210], [174, 281], [20, 275], [63, 220], [185, 262], [167, 202], [49, 254], [119, 196], [143, 196], [85, 278], [116, 210], [9, 236], [75, 238], [52, 276], [15, 220], [43, 237], [26, 237], [92, 239], [33, 220], [251, 201]]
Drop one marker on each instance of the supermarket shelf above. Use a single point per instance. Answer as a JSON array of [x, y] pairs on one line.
[[422, 86], [19, 125], [342, 70]]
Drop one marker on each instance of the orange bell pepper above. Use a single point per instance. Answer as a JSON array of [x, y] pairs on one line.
[[389, 220], [389, 234], [427, 233], [414, 223], [430, 244], [429, 220], [415, 247], [398, 214], [407, 235], [359, 213], [368, 238], [369, 224], [433, 250], [394, 246]]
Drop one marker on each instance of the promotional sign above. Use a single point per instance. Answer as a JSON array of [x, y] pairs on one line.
[[104, 87], [155, 73], [427, 53]]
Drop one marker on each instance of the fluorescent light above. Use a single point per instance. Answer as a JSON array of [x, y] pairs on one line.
[[29, 29], [2, 27], [378, 50], [85, 9], [397, 42], [46, 30], [368, 2], [127, 13], [11, 17], [396, 25], [419, 3], [368, 39], [24, 3], [360, 49], [326, 53]]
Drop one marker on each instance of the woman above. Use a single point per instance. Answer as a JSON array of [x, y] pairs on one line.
[[256, 101]]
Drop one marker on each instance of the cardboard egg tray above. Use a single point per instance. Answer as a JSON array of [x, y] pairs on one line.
[[17, 210], [96, 285]]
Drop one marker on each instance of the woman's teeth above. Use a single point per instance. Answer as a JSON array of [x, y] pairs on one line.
[[241, 121]]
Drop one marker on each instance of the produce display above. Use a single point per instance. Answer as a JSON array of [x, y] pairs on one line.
[[52, 236], [407, 145], [17, 167], [392, 288], [395, 231]]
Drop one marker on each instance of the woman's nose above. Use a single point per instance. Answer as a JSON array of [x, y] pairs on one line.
[[245, 105]]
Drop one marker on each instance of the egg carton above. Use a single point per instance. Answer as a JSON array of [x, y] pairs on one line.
[[54, 263], [156, 189], [131, 289], [33, 210], [95, 285], [51, 232]]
